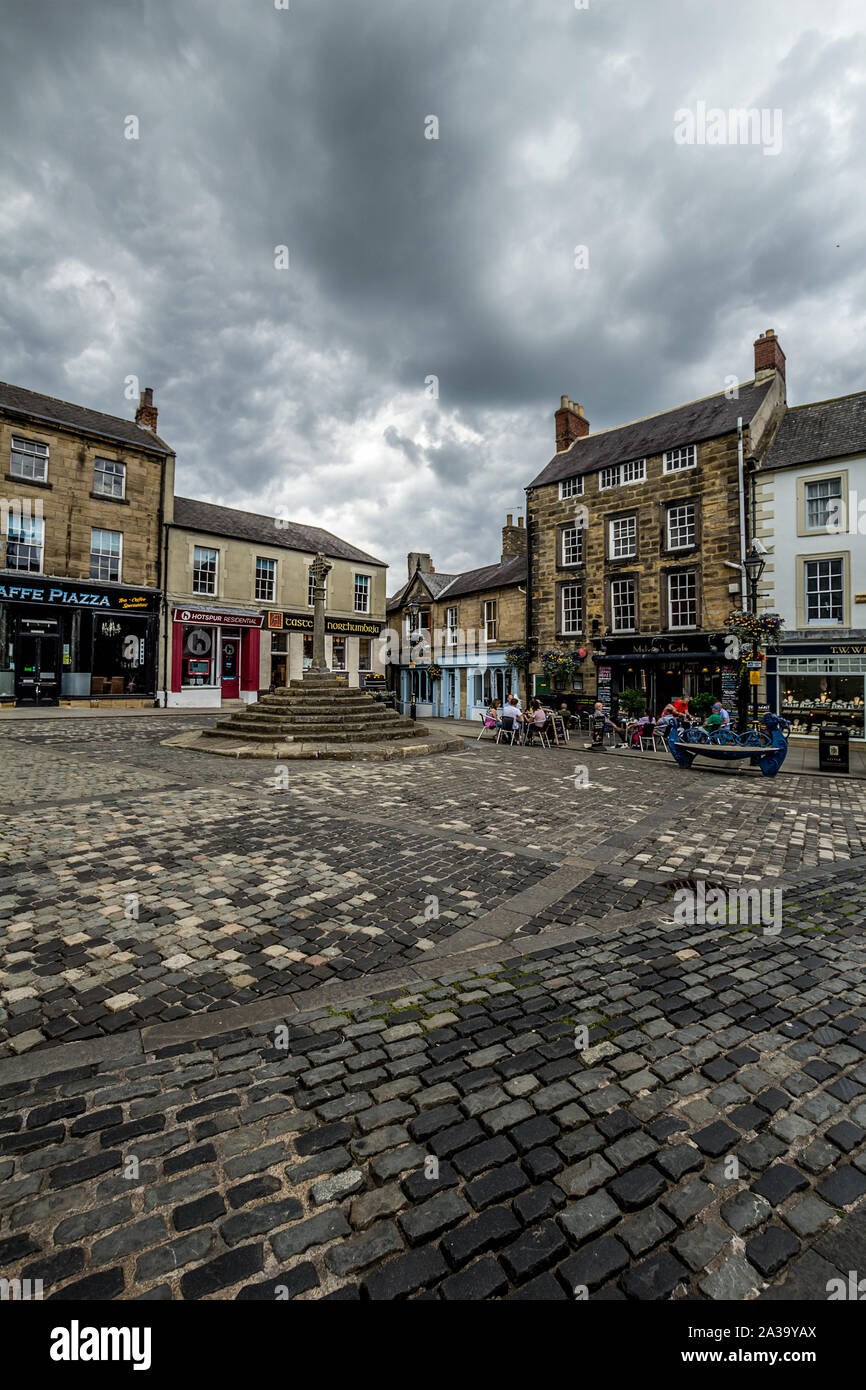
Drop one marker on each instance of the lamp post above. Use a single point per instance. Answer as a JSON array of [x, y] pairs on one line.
[[413, 610], [754, 565]]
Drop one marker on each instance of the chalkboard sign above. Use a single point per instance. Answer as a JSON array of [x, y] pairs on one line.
[[730, 687], [557, 728], [604, 687]]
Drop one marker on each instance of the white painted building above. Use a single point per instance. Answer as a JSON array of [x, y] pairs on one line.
[[809, 507]]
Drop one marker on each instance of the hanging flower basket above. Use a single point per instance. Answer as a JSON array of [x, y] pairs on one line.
[[434, 672], [763, 629], [560, 668], [517, 656]]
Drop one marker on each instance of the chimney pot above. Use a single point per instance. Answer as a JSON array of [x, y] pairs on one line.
[[571, 424], [146, 414], [769, 357]]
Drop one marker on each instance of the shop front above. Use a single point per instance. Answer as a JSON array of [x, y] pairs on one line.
[[349, 646], [214, 657], [663, 668], [64, 642], [812, 684]]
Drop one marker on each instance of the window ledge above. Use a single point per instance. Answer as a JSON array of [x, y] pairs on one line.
[[27, 482], [103, 497]]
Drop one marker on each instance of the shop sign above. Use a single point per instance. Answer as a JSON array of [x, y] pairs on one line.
[[345, 627], [754, 665], [197, 615], [93, 596], [852, 649]]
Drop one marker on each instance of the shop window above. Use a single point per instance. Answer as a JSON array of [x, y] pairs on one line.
[[266, 579], [119, 655], [808, 701], [682, 599], [29, 460], [199, 647], [105, 555], [365, 654], [338, 654], [495, 685], [25, 536], [204, 570], [109, 478], [362, 593]]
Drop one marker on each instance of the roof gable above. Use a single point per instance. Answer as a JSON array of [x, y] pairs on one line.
[[265, 530], [19, 401], [823, 430]]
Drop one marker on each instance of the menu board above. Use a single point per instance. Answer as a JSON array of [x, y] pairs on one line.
[[604, 687], [730, 687]]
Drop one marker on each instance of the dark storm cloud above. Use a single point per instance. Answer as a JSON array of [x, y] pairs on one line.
[[306, 389]]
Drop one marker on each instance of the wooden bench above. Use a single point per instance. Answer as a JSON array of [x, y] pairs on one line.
[[766, 751]]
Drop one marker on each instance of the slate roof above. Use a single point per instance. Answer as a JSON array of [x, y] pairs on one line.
[[512, 571], [21, 402], [685, 424], [497, 576], [249, 526], [434, 583], [824, 430]]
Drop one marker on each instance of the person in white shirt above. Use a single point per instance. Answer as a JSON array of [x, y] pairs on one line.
[[719, 708]]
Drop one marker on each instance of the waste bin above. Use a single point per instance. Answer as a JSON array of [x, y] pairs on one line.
[[833, 748]]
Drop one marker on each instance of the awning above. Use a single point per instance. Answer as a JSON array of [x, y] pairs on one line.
[[670, 658]]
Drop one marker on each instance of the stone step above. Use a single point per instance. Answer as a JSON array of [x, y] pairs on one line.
[[283, 729], [370, 736]]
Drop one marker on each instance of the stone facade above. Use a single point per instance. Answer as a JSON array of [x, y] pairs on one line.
[[85, 496]]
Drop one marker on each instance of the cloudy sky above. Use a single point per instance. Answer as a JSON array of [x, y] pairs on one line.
[[305, 391]]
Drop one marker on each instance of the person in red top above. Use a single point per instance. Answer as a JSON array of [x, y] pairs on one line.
[[681, 704]]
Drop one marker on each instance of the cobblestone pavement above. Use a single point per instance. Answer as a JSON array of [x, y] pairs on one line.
[[339, 1052], [451, 1141]]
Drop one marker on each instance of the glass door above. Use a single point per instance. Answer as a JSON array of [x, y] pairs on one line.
[[37, 668]]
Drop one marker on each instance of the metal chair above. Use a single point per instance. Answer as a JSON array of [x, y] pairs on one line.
[[648, 736], [509, 733]]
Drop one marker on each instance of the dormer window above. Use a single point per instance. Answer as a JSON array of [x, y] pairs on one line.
[[686, 456], [570, 487]]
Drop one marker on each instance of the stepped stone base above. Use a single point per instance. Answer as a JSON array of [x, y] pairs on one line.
[[318, 717]]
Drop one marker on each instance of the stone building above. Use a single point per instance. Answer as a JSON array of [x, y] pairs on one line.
[[470, 622], [84, 499], [809, 511], [239, 605], [636, 539]]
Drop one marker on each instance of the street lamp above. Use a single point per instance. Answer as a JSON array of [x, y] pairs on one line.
[[413, 611], [755, 565]]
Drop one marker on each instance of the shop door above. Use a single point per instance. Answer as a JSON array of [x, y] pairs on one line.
[[230, 666], [37, 668]]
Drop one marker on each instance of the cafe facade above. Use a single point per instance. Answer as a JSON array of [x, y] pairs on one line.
[[240, 606], [84, 499]]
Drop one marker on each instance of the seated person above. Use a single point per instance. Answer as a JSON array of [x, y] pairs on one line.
[[598, 712], [714, 723], [538, 720], [510, 718], [718, 708]]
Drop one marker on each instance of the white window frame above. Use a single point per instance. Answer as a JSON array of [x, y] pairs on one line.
[[98, 555], [204, 569], [622, 474], [838, 560], [491, 618], [615, 603], [683, 457], [367, 581], [570, 487], [451, 626], [608, 477], [267, 580], [616, 552], [674, 581], [26, 531], [576, 545], [573, 610], [691, 526], [822, 527], [34, 451], [115, 471]]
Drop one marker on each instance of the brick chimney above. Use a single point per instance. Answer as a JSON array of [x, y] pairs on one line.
[[571, 424], [769, 357], [513, 538], [147, 412], [419, 561]]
